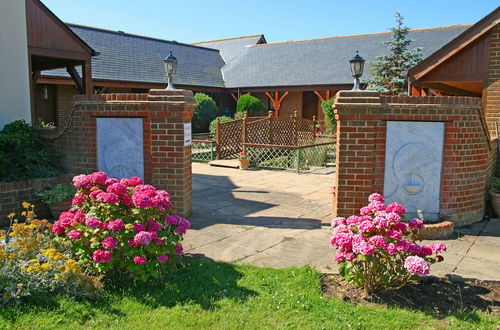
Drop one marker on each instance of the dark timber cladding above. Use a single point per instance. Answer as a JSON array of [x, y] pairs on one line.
[[460, 67], [51, 45]]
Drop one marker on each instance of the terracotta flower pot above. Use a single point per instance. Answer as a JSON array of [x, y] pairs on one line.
[[244, 164], [57, 208], [495, 202]]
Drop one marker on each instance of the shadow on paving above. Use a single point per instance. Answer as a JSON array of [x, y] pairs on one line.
[[214, 202]]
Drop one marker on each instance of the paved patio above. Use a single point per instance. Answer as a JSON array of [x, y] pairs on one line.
[[280, 219]]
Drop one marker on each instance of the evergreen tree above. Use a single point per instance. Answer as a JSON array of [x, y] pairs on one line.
[[389, 71]]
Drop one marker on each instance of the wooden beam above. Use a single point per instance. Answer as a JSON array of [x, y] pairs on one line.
[[87, 77], [276, 100], [327, 96], [234, 97], [76, 77], [449, 89], [36, 76]]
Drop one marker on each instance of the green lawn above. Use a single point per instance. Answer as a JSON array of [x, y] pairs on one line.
[[203, 294]]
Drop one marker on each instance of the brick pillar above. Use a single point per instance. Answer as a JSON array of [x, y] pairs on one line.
[[356, 134], [171, 160], [167, 162]]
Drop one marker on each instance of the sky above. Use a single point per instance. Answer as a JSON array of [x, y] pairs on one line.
[[191, 21]]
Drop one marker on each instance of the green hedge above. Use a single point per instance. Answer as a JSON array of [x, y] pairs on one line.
[[204, 113]]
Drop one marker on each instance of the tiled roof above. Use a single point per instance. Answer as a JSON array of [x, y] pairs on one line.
[[132, 58], [233, 47], [320, 61]]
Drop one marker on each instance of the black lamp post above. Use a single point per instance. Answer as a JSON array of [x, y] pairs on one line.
[[357, 64], [171, 69]]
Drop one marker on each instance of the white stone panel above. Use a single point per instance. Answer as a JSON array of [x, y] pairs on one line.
[[413, 165], [120, 147]]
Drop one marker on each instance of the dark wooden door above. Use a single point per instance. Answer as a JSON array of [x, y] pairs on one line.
[[45, 103], [309, 105]]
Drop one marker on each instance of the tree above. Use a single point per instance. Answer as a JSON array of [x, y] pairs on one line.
[[389, 71], [252, 105], [204, 113]]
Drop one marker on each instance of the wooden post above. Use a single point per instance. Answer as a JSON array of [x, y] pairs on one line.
[[271, 137], [295, 129], [88, 88], [217, 138], [314, 128], [244, 129]]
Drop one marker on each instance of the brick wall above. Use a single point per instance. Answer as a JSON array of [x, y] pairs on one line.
[[12, 194], [361, 130], [492, 97], [167, 163]]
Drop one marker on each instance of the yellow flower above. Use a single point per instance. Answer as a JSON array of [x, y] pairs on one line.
[[24, 213], [46, 266], [26, 205], [56, 277], [11, 215], [129, 226], [61, 268], [33, 260]]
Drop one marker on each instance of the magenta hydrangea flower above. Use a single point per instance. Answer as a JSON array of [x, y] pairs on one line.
[[66, 219], [143, 238], [95, 193], [101, 256], [183, 226], [58, 228], [377, 241], [108, 198], [116, 224], [402, 227], [402, 246], [425, 250], [366, 226], [417, 266], [98, 178], [131, 182], [82, 181], [131, 242], [364, 248], [140, 260], [338, 221], [178, 250], [162, 258], [74, 234], [78, 200], [126, 200], [396, 208], [416, 224], [414, 248], [438, 247], [172, 219], [111, 181], [79, 216], [380, 222], [154, 226], [117, 188], [375, 197], [341, 229], [342, 240], [391, 249], [393, 217], [138, 227], [92, 222], [108, 243], [354, 220], [394, 234]]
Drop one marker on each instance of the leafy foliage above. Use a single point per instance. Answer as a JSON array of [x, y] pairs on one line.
[[495, 185], [327, 107], [204, 113], [22, 154], [222, 119], [57, 193], [252, 105], [388, 72]]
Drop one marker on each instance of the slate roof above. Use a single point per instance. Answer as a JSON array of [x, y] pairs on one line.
[[132, 58], [233, 47], [321, 61]]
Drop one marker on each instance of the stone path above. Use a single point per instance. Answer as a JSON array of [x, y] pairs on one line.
[[280, 219]]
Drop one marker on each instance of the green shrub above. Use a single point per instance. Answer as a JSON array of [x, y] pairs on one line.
[[252, 105], [57, 193], [204, 113], [213, 124], [22, 154], [327, 107]]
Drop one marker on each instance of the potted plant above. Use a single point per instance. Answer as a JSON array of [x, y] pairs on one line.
[[57, 197], [495, 195], [244, 160]]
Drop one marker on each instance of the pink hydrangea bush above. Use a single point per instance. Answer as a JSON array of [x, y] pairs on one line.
[[377, 249], [116, 225]]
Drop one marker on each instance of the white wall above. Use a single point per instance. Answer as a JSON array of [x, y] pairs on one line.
[[14, 67]]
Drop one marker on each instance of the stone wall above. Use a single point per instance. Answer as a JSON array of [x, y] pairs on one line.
[[468, 155]]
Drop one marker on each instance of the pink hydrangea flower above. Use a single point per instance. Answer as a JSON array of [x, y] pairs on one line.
[[143, 238], [354, 220], [74, 234], [66, 219], [116, 224], [95, 193], [416, 224], [140, 260], [92, 222], [82, 181], [414, 248], [400, 226], [101, 256], [79, 216], [154, 226], [366, 226], [425, 250], [162, 258], [342, 240], [126, 200], [98, 178], [131, 242], [376, 198], [338, 221], [108, 198], [364, 248], [131, 182], [402, 246], [58, 228], [111, 181], [117, 188], [158, 241], [376, 206], [396, 208], [391, 249], [178, 250], [380, 222], [364, 210], [138, 227], [341, 229], [108, 243], [417, 266], [78, 200], [393, 217], [183, 226], [438, 247], [394, 234], [172, 219], [377, 241]]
